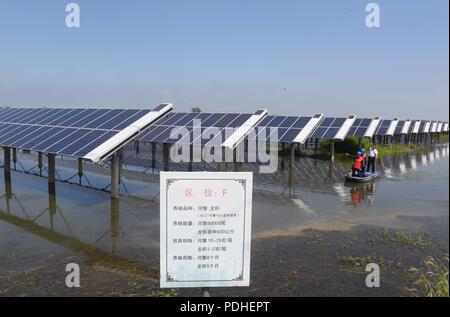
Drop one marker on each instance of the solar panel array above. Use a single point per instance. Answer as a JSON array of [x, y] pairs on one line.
[[73, 132], [76, 132], [328, 128]]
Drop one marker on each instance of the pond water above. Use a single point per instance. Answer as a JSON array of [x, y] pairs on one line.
[[305, 220]]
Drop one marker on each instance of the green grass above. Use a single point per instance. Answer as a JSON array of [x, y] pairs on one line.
[[432, 278], [443, 138], [399, 149]]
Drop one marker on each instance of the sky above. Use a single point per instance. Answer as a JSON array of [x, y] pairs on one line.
[[293, 57]]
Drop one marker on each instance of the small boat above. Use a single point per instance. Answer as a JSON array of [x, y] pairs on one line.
[[367, 178]]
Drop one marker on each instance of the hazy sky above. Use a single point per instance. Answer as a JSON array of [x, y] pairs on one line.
[[289, 56]]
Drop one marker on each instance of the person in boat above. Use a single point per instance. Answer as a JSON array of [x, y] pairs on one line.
[[357, 164], [373, 153], [363, 162]]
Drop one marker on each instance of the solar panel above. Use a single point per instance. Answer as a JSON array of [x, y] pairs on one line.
[[328, 128], [216, 128], [426, 127], [286, 128], [416, 126], [434, 125], [383, 127], [360, 127], [179, 127], [400, 126], [72, 132]]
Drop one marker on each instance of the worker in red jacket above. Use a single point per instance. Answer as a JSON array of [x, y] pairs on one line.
[[357, 163]]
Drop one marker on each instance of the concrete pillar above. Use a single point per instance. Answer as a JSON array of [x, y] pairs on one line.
[[8, 190], [116, 160], [136, 144], [291, 167], [191, 157], [291, 178], [14, 155], [153, 156], [330, 169], [40, 163], [51, 173], [7, 159], [80, 170], [332, 151], [235, 164], [7, 176], [292, 155], [166, 157], [114, 224], [51, 168], [51, 187]]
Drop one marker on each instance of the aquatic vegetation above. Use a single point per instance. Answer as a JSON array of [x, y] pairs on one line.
[[351, 261], [314, 236], [433, 278], [168, 293], [413, 241]]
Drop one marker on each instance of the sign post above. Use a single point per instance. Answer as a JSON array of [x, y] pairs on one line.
[[205, 220]]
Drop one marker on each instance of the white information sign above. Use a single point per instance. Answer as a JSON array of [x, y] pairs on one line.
[[205, 228]]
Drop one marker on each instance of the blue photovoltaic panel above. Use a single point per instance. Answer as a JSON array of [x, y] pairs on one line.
[[73, 132], [328, 128], [359, 127], [282, 128], [400, 126], [383, 127], [178, 128], [422, 126]]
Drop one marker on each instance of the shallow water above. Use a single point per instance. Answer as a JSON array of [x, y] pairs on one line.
[[38, 232]]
